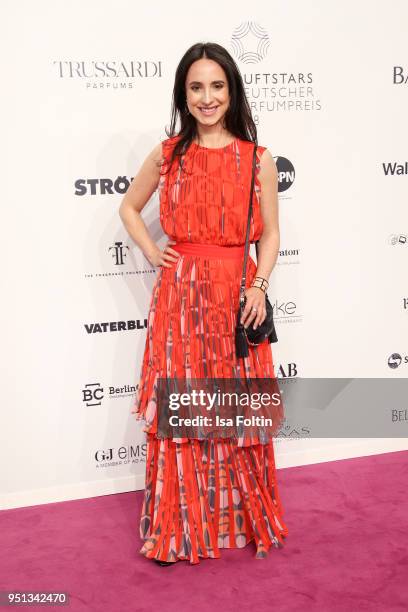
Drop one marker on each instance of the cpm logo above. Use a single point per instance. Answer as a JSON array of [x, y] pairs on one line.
[[286, 173]]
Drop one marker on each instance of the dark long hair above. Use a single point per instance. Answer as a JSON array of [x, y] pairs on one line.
[[237, 119]]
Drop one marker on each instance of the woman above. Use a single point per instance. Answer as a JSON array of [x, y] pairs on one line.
[[204, 495]]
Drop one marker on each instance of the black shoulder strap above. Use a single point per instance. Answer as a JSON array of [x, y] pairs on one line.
[[243, 279]]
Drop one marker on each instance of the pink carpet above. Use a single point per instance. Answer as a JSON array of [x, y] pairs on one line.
[[347, 550]]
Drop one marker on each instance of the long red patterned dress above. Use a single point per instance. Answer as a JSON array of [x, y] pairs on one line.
[[204, 495]]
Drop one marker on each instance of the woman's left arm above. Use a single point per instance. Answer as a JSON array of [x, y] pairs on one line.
[[268, 245]]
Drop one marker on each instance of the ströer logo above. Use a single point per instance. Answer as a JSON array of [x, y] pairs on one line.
[[102, 186]]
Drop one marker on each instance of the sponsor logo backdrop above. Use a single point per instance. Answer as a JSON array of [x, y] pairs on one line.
[[86, 95]]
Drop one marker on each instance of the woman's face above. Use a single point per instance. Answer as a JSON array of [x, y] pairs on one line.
[[207, 91]]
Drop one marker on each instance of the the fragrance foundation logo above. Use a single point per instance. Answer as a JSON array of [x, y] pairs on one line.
[[111, 74], [399, 75], [118, 252], [117, 255], [271, 89], [94, 393], [395, 168]]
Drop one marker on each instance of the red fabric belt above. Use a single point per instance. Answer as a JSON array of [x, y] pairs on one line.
[[209, 250]]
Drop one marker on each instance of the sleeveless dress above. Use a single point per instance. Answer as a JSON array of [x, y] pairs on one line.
[[204, 495]]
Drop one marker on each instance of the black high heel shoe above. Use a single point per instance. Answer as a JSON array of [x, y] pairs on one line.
[[162, 562]]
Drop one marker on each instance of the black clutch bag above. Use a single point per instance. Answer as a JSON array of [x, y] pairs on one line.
[[266, 330]]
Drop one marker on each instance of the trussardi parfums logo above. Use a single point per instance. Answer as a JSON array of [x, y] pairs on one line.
[[111, 74]]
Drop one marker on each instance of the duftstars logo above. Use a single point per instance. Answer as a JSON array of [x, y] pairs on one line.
[[272, 88], [250, 42]]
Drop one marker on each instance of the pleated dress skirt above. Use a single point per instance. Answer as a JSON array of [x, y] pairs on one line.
[[203, 495]]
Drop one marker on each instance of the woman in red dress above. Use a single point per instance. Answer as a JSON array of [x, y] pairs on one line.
[[202, 495]]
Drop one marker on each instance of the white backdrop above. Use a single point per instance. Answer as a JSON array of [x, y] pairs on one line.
[[86, 95]]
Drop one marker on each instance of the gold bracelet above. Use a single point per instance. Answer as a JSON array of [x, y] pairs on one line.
[[263, 283], [263, 279]]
